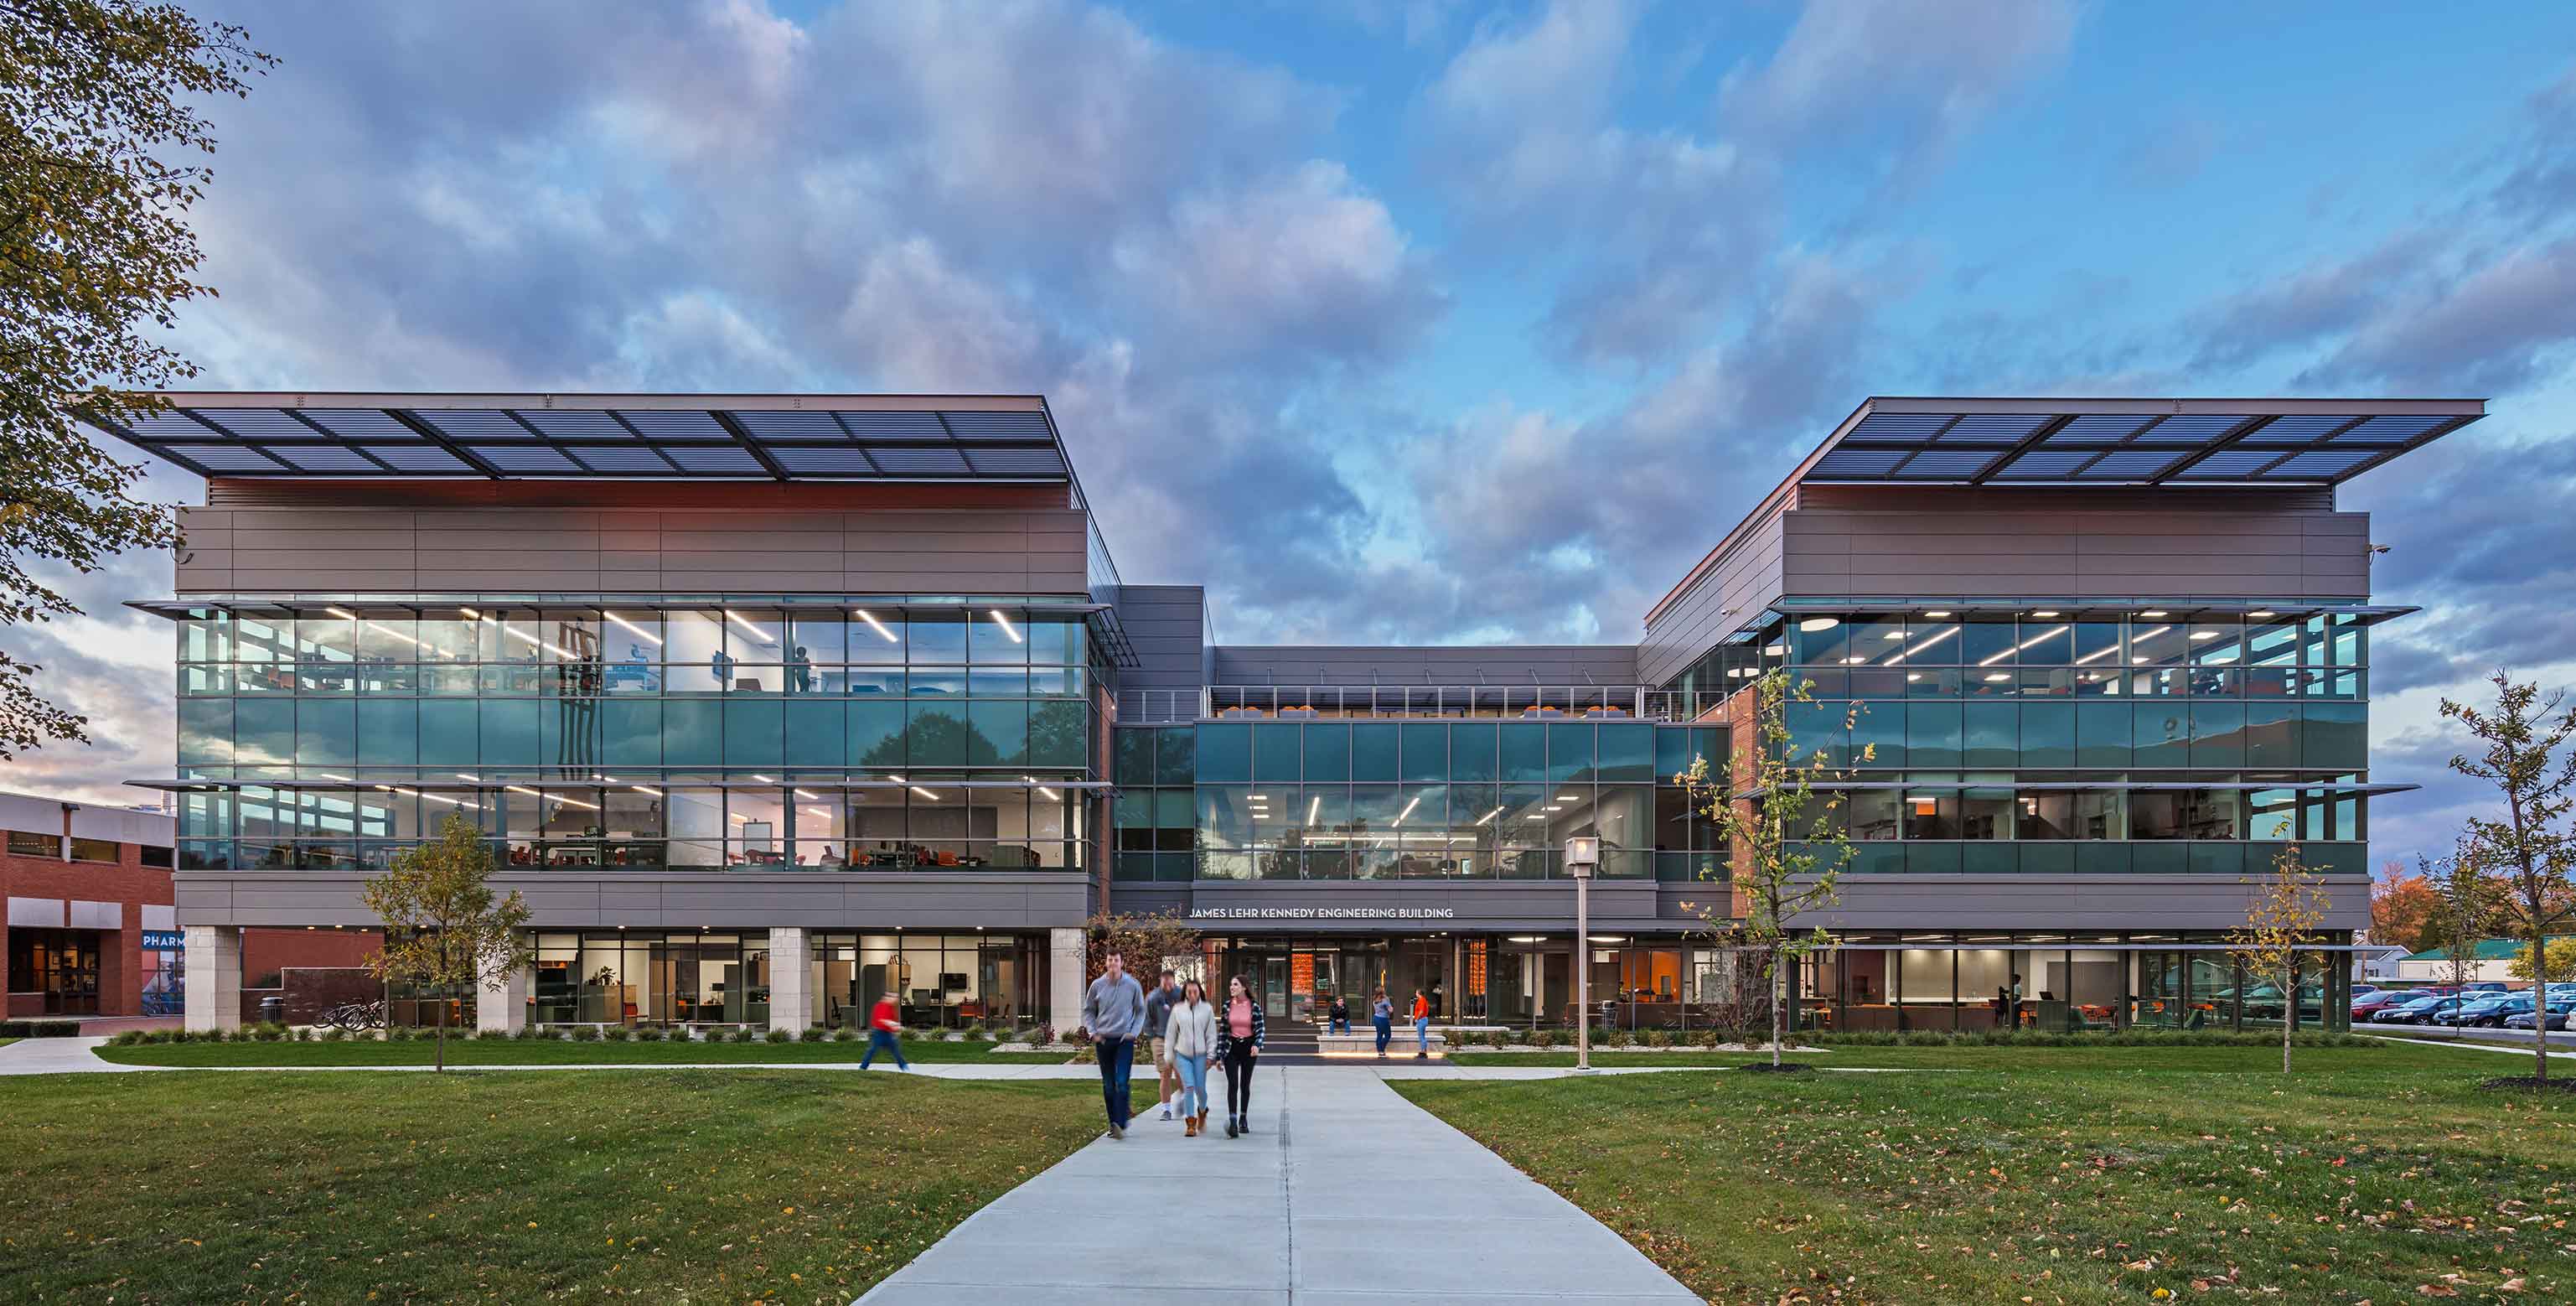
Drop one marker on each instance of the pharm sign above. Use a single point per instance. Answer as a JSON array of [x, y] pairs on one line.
[[163, 941]]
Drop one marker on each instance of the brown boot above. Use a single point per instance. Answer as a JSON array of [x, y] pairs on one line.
[[1202, 1120], [1191, 1128]]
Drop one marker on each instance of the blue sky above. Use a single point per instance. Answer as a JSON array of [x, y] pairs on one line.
[[1423, 322]]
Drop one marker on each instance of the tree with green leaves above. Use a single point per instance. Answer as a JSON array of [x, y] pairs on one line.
[[2281, 918], [444, 928], [99, 125], [2528, 855], [1780, 813]]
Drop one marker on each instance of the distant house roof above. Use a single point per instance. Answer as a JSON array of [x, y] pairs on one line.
[[2486, 950]]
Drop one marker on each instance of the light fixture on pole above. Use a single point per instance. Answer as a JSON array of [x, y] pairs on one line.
[[1582, 857]]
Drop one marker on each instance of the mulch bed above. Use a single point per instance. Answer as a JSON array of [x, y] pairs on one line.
[[2529, 1084]]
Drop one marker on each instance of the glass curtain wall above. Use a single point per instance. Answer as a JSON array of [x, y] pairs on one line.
[[633, 977], [883, 826], [533, 690], [1440, 800], [2039, 744], [939, 981]]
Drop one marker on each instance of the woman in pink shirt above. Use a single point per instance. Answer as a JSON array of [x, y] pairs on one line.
[[1238, 1041]]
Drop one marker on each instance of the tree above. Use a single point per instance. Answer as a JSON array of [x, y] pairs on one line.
[[2281, 918], [444, 930], [1147, 942], [2462, 900], [97, 97], [1786, 840], [2404, 910], [2561, 969], [2527, 855]]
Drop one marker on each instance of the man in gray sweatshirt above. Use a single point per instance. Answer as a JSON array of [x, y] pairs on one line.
[[1113, 1009]]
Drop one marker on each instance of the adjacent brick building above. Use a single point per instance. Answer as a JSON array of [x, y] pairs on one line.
[[89, 929]]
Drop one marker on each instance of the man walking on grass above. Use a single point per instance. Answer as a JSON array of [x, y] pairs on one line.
[[1113, 1009], [1158, 1019]]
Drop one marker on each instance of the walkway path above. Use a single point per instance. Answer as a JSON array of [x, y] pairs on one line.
[[1343, 1193]]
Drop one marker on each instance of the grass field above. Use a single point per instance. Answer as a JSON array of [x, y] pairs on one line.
[[664, 1186], [545, 1052], [2180, 1056], [2063, 1175]]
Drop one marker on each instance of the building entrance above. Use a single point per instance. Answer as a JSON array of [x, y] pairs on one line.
[[55, 970], [1297, 979]]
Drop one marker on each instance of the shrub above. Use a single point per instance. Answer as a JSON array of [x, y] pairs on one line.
[[780, 1036], [1544, 1038], [269, 1032], [39, 1029], [845, 1034], [813, 1034], [304, 1034], [974, 1027], [491, 1035], [1045, 1035], [335, 1036], [586, 1033], [741, 1034], [617, 1033], [654, 1034]]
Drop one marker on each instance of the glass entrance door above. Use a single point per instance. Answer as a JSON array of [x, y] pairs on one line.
[[1274, 987]]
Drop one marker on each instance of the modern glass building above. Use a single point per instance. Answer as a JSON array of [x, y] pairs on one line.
[[852, 680]]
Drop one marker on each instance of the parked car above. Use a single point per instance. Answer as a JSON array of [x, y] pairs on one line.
[[2560, 1011], [2366, 1006], [2484, 1013], [2418, 1012], [2483, 986]]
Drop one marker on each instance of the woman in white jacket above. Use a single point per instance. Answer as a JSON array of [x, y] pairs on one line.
[[1191, 1036]]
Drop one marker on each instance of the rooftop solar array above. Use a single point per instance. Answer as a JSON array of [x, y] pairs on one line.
[[2127, 442], [821, 438]]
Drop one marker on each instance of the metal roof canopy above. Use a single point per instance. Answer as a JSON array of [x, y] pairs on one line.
[[2111, 442], [864, 438]]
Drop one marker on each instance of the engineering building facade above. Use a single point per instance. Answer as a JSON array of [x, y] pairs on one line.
[[770, 704]]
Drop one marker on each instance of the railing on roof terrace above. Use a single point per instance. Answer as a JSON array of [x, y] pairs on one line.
[[1344, 702]]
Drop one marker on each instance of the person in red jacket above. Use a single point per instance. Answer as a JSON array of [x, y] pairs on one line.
[[883, 1025]]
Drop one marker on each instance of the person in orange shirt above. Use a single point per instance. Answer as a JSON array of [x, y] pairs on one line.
[[1421, 1026]]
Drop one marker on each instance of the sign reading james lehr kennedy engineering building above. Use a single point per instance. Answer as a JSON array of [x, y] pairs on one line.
[[1322, 913]]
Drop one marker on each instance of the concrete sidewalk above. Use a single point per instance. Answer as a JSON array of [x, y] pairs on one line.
[[56, 1056], [1343, 1193]]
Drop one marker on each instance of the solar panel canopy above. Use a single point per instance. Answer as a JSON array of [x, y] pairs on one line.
[[1891, 441], [621, 437]]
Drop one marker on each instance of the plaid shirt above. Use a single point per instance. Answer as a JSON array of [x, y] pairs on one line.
[[1225, 1029]]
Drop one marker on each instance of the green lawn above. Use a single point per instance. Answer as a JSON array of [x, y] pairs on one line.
[[544, 1052], [2179, 1056], [2062, 1175], [666, 1186]]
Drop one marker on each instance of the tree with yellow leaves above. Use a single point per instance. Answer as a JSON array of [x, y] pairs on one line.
[[2281, 919]]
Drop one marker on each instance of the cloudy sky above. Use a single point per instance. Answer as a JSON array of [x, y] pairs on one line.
[[1403, 322]]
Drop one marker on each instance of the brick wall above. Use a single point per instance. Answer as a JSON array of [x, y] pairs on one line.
[[126, 882]]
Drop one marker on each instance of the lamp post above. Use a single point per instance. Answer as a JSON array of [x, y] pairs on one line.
[[1582, 856]]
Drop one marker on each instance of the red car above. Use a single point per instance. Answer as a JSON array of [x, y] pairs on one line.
[[2365, 1005]]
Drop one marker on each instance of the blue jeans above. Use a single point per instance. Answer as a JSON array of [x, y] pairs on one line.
[[1117, 1059], [881, 1041], [1193, 1072], [1340, 1025], [1422, 1032], [1385, 1030]]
